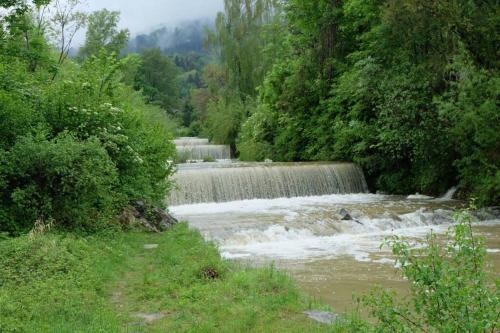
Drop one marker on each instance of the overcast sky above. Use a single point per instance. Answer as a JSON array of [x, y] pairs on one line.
[[142, 15]]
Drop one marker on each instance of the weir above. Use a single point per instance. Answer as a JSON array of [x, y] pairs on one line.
[[190, 141], [199, 152], [223, 183], [197, 149]]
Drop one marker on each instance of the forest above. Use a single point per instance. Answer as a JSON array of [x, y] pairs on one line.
[[406, 89]]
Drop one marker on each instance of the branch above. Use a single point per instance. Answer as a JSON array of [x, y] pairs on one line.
[[410, 321]]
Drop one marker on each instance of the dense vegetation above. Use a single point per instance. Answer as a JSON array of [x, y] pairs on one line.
[[407, 89], [76, 142]]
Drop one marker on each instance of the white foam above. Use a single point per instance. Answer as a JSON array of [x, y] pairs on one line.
[[273, 206], [311, 228], [278, 242], [418, 196]]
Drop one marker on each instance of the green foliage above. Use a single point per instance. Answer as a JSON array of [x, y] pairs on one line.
[[255, 135], [77, 147], [224, 118], [72, 272], [405, 89], [450, 290], [241, 33], [471, 107], [73, 182], [156, 77], [102, 34], [247, 39]]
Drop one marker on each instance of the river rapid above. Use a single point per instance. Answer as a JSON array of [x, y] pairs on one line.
[[315, 220], [330, 256]]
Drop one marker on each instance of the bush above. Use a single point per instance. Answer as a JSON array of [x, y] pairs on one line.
[[72, 182], [78, 149], [450, 291]]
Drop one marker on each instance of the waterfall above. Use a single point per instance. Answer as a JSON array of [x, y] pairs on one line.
[[264, 181], [199, 152], [449, 194], [197, 149], [189, 141]]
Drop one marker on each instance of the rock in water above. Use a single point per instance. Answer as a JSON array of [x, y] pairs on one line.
[[321, 316], [344, 215]]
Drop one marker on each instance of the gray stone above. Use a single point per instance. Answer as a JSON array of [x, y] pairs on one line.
[[321, 316], [140, 215], [344, 215]]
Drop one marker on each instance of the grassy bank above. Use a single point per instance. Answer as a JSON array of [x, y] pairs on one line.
[[111, 283]]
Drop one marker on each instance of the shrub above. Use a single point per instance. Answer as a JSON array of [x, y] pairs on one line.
[[72, 182], [450, 291]]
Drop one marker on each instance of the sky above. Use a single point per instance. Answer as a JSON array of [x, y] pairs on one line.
[[141, 16]]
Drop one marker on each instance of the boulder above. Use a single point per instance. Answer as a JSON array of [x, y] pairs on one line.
[[143, 216], [344, 215]]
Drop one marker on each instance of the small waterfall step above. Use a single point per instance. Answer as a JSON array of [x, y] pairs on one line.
[[242, 181], [198, 149], [190, 141], [200, 152]]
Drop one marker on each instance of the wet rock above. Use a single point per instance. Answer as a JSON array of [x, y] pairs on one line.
[[344, 215], [321, 316], [140, 215], [164, 220]]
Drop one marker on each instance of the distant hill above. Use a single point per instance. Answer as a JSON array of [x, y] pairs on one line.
[[187, 37]]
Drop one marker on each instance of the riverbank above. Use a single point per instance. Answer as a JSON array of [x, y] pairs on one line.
[[138, 282]]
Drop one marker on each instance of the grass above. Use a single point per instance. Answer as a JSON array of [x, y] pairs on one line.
[[66, 283]]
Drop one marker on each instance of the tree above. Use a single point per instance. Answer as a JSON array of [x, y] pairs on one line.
[[65, 23], [242, 32], [103, 34], [22, 35], [156, 78]]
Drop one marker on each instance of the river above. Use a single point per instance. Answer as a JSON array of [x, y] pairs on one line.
[[315, 220]]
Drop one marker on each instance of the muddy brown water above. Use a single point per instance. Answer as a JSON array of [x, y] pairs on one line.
[[330, 257]]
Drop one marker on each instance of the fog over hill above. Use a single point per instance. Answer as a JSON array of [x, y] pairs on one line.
[[143, 16], [183, 38]]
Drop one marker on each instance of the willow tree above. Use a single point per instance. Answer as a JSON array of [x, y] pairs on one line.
[[242, 33]]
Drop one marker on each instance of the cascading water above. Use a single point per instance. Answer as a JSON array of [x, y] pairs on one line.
[[449, 194], [198, 149], [313, 219], [200, 152], [190, 141], [265, 181]]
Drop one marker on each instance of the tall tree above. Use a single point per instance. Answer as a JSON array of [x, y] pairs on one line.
[[103, 34], [156, 77], [241, 34], [66, 21]]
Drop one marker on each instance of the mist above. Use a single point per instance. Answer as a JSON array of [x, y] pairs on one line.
[[143, 16]]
